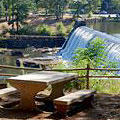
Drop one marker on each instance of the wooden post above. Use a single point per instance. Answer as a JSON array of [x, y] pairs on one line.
[[87, 76]]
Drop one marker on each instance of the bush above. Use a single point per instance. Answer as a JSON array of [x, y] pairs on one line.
[[70, 27], [60, 29], [90, 14], [11, 31], [43, 30], [27, 30]]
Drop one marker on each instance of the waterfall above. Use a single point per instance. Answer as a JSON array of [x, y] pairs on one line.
[[81, 36]]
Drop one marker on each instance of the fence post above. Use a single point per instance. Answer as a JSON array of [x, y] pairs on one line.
[[87, 76]]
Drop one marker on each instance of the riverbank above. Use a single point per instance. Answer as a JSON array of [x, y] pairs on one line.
[[68, 22]]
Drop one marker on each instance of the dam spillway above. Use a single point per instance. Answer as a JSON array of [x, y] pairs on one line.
[[81, 36]]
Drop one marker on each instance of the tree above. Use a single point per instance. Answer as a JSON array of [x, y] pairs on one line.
[[16, 11], [54, 7], [94, 54], [85, 6], [93, 5], [2, 10], [116, 5], [111, 6], [59, 7], [21, 9]]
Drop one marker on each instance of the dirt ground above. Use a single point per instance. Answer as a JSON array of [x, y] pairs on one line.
[[105, 107], [35, 21]]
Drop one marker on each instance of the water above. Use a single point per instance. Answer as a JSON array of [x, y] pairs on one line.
[[80, 38], [112, 28], [7, 59], [107, 27]]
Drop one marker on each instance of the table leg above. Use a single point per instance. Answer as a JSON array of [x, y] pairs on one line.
[[57, 90], [28, 92]]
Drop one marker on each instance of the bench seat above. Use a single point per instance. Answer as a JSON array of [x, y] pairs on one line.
[[7, 91], [63, 103]]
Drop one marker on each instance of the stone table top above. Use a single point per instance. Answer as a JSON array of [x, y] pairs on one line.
[[44, 77]]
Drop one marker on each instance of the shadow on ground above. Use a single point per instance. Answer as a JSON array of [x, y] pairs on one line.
[[105, 107]]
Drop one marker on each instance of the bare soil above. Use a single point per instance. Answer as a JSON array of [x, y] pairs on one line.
[[105, 107], [38, 20]]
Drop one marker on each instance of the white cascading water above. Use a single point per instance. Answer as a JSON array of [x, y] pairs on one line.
[[81, 36]]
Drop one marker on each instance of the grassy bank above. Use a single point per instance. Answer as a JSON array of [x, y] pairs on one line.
[[110, 86]]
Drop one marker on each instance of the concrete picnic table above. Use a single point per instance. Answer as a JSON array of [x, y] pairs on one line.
[[30, 84], [41, 61]]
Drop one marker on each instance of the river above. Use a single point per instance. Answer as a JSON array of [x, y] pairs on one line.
[[107, 27]]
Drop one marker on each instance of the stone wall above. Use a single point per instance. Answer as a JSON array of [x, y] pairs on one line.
[[24, 41]]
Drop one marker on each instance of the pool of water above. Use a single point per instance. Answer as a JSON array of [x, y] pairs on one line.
[[7, 59], [107, 27]]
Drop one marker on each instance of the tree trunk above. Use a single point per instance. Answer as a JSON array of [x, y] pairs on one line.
[[17, 22], [13, 15]]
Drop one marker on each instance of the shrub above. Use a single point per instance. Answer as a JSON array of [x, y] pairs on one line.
[[11, 31], [70, 27], [60, 29], [27, 30], [43, 30], [90, 14], [94, 54]]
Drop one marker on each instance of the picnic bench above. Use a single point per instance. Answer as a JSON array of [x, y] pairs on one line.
[[64, 103], [7, 91], [30, 84]]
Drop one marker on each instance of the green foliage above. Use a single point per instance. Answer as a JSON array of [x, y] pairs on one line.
[[27, 30], [115, 5], [11, 31], [60, 29], [60, 66], [85, 6], [12, 9], [111, 6], [43, 30], [90, 14], [54, 7], [2, 9], [94, 54], [70, 27], [15, 12], [105, 85]]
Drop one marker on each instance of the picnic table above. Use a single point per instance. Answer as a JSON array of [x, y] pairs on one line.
[[30, 84], [39, 61]]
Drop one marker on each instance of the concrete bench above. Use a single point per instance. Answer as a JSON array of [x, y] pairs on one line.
[[7, 91], [62, 104]]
